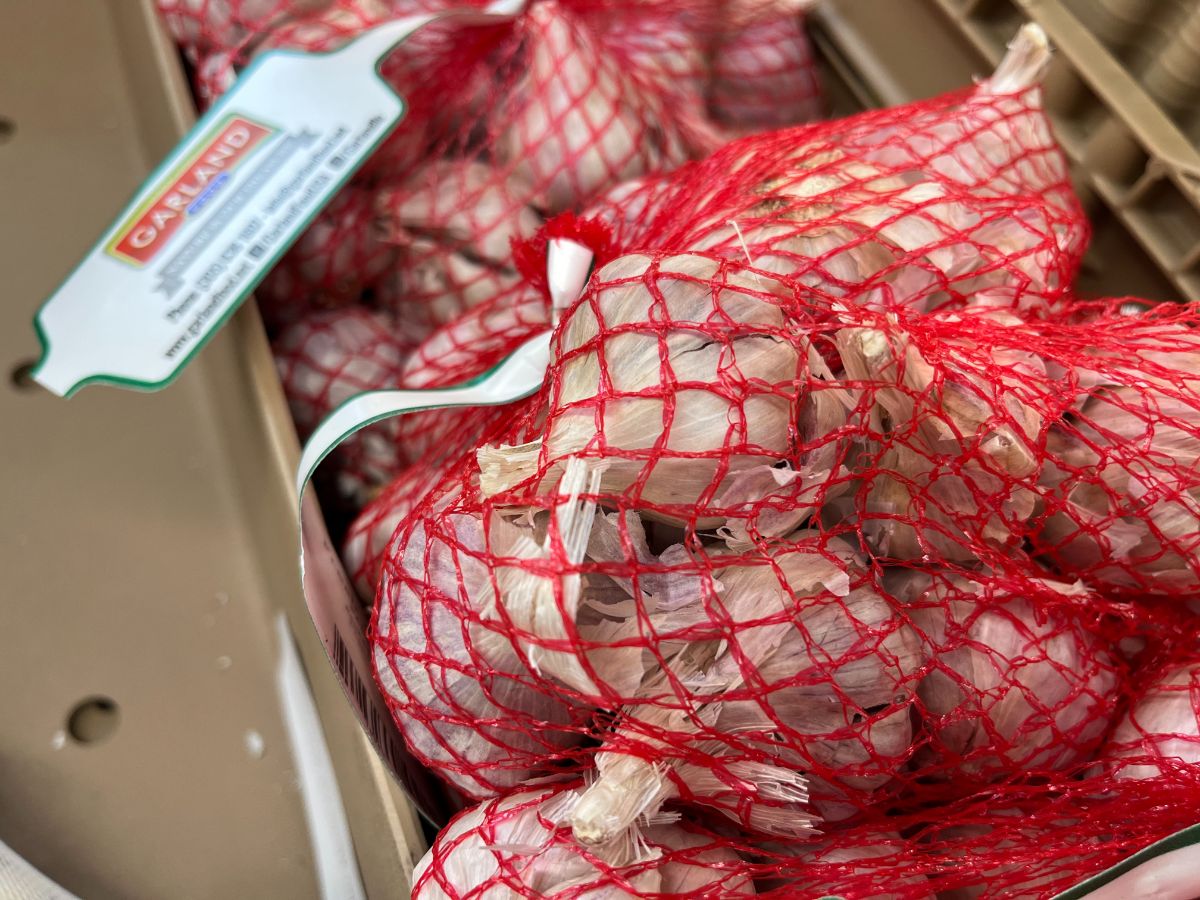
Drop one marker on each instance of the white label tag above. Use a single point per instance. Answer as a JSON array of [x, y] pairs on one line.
[[218, 213]]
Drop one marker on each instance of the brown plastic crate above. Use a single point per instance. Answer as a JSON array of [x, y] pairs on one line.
[[148, 541]]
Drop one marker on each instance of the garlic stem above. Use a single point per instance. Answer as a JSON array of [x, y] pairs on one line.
[[627, 788], [1023, 65]]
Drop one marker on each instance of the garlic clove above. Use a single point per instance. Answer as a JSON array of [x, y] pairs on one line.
[[661, 367]]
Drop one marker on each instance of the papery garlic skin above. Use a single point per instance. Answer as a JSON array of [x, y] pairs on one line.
[[1012, 688], [223, 24], [676, 373], [797, 660], [332, 263], [1121, 493], [455, 353], [479, 338], [452, 225], [958, 449], [371, 531], [514, 847], [763, 74], [1162, 727], [920, 209], [458, 691]]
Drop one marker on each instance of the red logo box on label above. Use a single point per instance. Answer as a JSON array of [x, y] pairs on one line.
[[149, 228]]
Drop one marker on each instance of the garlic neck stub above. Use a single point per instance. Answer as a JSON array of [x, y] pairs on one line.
[[674, 373]]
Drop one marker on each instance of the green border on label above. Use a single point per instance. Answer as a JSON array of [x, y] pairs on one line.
[[1186, 838]]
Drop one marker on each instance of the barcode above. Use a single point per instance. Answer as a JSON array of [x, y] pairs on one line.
[[379, 724]]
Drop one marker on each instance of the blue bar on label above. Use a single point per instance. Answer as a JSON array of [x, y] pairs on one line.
[[199, 203]]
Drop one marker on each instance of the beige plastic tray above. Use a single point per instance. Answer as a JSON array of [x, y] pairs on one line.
[[147, 541]]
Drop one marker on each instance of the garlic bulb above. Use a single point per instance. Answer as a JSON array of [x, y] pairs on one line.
[[763, 74], [372, 529], [514, 847], [476, 340], [768, 502], [675, 372], [328, 357], [333, 262], [1122, 497], [462, 202], [224, 24], [454, 223], [776, 658], [214, 75], [459, 693], [1162, 730], [999, 140], [898, 209], [958, 426], [459, 351], [661, 47], [546, 610], [325, 26], [576, 123], [630, 209], [1015, 686], [828, 220]]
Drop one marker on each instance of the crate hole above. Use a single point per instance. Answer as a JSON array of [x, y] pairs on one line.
[[8, 129], [21, 375], [93, 720]]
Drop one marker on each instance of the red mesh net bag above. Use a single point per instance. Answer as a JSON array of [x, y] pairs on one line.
[[507, 122], [962, 199], [835, 572], [704, 607], [327, 357], [763, 72]]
